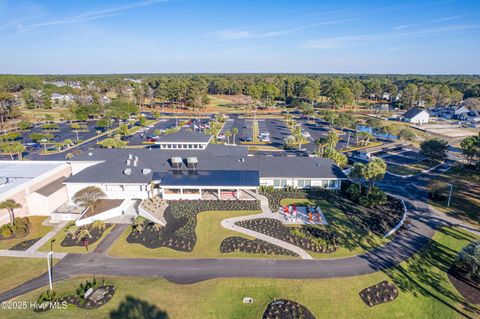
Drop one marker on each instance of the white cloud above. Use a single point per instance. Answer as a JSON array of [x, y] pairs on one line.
[[93, 15], [348, 41], [406, 26], [241, 33]]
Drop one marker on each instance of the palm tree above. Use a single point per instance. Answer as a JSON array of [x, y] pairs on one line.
[[357, 172], [227, 135], [234, 132], [297, 133], [321, 142], [10, 205]]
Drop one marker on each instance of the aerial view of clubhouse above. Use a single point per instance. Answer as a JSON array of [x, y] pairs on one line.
[[184, 167]]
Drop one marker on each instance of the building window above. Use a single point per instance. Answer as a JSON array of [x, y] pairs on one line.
[[276, 183], [301, 183], [331, 184]]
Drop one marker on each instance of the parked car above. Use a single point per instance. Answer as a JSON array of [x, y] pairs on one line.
[[246, 139]]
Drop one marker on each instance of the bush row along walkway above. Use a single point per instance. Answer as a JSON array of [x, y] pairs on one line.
[[229, 223], [32, 252]]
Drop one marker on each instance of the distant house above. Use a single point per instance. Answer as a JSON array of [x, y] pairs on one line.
[[459, 112], [57, 97], [386, 96], [417, 116], [472, 116]]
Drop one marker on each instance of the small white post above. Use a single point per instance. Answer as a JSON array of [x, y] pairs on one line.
[[49, 262]]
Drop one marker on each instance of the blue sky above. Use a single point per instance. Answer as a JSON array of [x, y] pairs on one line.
[[151, 36]]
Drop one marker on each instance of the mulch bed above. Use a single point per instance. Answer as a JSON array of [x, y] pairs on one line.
[[286, 309], [306, 237], [469, 289], [24, 245], [379, 293], [378, 219], [256, 246], [96, 234], [181, 217], [81, 303]]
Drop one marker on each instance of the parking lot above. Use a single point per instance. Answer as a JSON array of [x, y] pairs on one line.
[[320, 129], [63, 132]]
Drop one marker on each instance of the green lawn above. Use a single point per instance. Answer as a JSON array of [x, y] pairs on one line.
[[425, 292], [16, 271], [60, 236], [465, 202], [210, 235], [37, 230], [353, 239], [401, 169]]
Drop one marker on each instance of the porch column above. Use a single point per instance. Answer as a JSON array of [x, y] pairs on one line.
[[238, 193], [219, 196], [200, 192]]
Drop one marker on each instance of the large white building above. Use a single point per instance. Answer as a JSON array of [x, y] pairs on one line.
[[417, 116], [213, 172]]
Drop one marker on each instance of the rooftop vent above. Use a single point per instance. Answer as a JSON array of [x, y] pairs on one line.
[[90, 154], [128, 162], [146, 171], [192, 162], [135, 163], [127, 171], [176, 162], [130, 156], [241, 160]]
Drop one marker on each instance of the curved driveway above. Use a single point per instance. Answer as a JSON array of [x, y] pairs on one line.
[[399, 249]]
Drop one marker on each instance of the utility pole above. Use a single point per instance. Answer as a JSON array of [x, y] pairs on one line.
[[450, 195]]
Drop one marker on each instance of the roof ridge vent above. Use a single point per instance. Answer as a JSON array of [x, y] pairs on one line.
[[128, 162], [127, 171], [146, 171]]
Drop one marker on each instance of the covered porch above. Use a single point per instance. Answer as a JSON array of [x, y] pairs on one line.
[[209, 185]]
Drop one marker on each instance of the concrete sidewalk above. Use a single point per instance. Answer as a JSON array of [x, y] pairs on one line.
[[31, 254], [58, 227]]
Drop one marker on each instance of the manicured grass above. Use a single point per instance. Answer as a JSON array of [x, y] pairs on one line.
[[16, 271], [425, 292], [353, 239], [35, 115], [37, 230], [465, 202], [424, 165], [403, 170], [210, 235], [60, 236]]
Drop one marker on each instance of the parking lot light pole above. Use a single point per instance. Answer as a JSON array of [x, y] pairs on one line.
[[450, 195], [44, 141], [49, 263]]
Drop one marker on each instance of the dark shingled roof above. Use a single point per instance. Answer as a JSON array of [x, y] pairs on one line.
[[51, 188], [413, 112], [210, 178], [112, 163], [184, 136]]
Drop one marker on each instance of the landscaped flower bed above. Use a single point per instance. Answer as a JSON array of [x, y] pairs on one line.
[[19, 229], [89, 295], [88, 234], [378, 219], [286, 309], [256, 246], [379, 293], [464, 274], [24, 245], [306, 237], [181, 218]]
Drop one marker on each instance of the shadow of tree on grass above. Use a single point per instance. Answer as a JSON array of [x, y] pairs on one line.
[[133, 308]]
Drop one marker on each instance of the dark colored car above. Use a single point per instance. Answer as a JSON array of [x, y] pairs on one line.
[[246, 139]]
